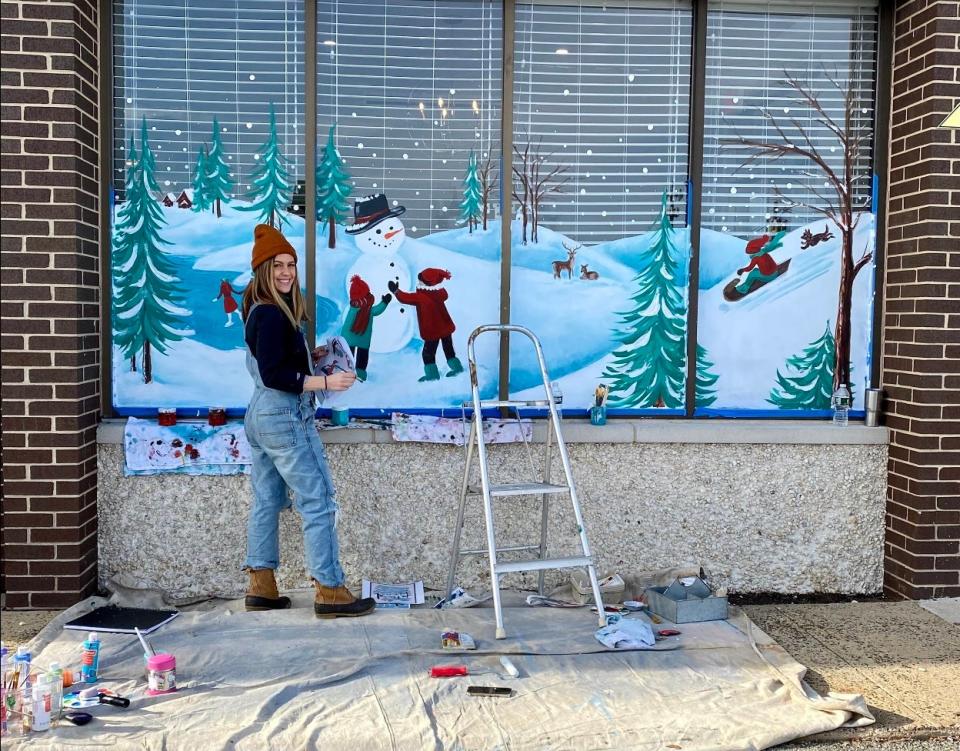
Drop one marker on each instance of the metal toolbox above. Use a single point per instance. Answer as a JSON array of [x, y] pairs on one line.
[[680, 603]]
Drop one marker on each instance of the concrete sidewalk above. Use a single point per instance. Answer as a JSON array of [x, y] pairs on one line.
[[904, 657]]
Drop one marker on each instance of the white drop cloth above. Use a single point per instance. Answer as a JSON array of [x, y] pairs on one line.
[[286, 680]]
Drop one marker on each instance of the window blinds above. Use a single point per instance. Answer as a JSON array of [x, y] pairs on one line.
[[180, 64], [412, 86], [749, 46], [604, 86]]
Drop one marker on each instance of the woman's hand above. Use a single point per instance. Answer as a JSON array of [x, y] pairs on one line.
[[341, 380]]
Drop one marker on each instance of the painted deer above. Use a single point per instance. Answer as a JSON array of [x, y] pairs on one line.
[[585, 273], [808, 239], [559, 266]]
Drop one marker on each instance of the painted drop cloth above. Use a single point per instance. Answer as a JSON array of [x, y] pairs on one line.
[[286, 680]]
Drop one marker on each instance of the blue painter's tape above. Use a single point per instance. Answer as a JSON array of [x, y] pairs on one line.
[[874, 193], [689, 202]]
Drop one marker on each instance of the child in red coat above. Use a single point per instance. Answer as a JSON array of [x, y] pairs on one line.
[[436, 325]]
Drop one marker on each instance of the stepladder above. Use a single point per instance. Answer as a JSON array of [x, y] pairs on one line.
[[517, 492]]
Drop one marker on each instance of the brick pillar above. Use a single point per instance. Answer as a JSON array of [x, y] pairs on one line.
[[921, 350], [50, 294]]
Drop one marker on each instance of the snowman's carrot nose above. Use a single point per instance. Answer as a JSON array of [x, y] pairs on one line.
[[388, 235]]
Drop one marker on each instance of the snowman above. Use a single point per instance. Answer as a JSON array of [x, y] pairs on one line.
[[379, 234]]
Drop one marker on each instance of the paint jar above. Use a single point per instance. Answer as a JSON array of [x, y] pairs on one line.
[[161, 674], [339, 416], [598, 415], [217, 416], [167, 416]]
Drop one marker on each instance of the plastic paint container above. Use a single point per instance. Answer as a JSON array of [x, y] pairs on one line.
[[161, 674], [339, 415], [90, 658]]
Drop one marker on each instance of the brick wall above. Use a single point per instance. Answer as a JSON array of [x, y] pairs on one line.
[[921, 356], [50, 308]]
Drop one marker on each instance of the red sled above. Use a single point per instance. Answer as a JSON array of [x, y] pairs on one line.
[[731, 293]]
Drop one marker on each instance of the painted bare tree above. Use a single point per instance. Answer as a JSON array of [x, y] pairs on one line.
[[534, 181], [521, 187], [837, 204], [488, 183]]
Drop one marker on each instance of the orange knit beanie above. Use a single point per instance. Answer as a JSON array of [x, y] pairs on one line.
[[269, 242]]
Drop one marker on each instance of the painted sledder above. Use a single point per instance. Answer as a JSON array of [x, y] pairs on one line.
[[761, 270]]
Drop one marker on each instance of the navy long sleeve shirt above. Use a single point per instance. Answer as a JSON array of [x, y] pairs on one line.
[[280, 349]]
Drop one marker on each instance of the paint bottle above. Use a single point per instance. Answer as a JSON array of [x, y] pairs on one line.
[[42, 700], [21, 663], [162, 674], [90, 659], [55, 674]]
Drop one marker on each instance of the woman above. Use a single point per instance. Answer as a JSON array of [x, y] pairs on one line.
[[287, 451]]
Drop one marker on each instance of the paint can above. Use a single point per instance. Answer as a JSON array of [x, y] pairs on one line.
[[598, 415], [217, 416], [339, 416], [167, 416], [161, 674]]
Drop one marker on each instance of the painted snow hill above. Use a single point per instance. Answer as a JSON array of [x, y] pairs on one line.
[[750, 339], [578, 320]]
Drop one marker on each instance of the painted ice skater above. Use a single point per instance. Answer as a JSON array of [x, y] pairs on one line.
[[433, 318], [229, 304], [358, 325]]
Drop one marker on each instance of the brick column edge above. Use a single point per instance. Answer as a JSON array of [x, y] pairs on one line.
[[921, 320], [50, 301]]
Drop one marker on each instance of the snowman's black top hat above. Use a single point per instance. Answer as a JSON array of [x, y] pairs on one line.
[[369, 211]]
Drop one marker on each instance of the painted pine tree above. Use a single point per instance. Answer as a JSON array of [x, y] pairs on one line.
[[146, 296], [333, 190], [706, 379], [811, 385], [218, 182], [648, 367], [471, 207], [271, 189], [124, 327], [201, 190]]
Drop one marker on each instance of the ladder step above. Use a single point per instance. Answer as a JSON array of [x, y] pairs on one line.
[[509, 549], [537, 565], [520, 488]]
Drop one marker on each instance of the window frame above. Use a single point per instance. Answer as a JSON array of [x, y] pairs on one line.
[[695, 163]]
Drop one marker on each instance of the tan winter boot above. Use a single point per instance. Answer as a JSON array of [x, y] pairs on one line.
[[339, 602], [262, 593]]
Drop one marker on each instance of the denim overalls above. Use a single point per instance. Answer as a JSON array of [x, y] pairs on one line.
[[287, 452]]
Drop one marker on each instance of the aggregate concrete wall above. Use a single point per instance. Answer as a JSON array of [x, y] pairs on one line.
[[761, 517]]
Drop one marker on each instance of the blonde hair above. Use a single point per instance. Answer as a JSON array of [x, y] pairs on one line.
[[263, 290]]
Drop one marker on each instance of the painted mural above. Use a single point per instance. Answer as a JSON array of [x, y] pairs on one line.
[[611, 313]]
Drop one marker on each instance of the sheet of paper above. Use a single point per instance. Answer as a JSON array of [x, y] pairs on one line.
[[393, 595]]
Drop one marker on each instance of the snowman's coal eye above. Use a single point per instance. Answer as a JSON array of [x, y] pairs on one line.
[[379, 231]]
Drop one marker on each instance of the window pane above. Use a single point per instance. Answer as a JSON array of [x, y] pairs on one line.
[[772, 244], [408, 107], [600, 242], [198, 161]]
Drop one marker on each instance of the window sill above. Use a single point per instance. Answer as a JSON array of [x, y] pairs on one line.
[[781, 432]]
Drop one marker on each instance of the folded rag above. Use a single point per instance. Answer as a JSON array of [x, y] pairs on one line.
[[626, 634]]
